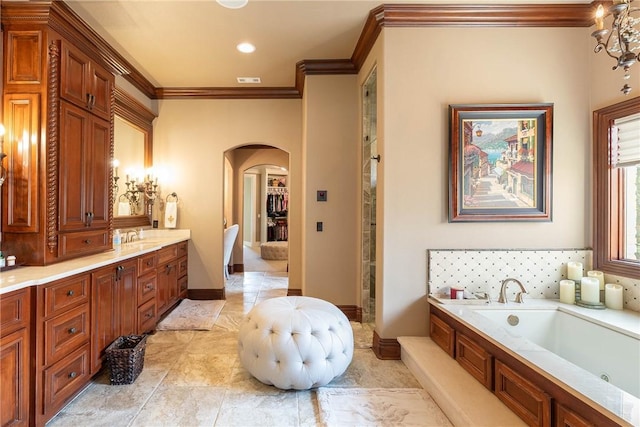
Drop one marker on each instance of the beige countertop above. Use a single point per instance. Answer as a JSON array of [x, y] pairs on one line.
[[22, 277]]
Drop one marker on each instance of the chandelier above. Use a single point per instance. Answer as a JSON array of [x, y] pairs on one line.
[[622, 42]]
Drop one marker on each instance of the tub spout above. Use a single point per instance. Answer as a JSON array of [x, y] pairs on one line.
[[503, 291]]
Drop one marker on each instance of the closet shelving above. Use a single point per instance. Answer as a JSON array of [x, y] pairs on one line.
[[277, 208]]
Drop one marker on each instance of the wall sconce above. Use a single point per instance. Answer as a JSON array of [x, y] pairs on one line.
[[623, 39], [3, 171], [150, 189]]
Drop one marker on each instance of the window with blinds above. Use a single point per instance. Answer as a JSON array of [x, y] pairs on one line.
[[625, 156]]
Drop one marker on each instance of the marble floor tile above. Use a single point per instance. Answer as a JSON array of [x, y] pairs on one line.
[[181, 406], [195, 378]]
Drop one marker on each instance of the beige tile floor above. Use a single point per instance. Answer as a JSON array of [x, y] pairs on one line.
[[194, 378]]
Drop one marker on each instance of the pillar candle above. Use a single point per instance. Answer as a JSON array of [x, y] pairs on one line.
[[590, 290], [574, 271], [598, 275], [567, 291], [613, 296]]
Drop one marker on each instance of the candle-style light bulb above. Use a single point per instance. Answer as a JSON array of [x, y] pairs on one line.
[[600, 18]]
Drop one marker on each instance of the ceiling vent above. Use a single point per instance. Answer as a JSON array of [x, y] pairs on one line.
[[249, 80]]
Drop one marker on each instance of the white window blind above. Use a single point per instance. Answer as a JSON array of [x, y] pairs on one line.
[[625, 141]]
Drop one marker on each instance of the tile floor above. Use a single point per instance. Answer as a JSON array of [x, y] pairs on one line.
[[194, 378]]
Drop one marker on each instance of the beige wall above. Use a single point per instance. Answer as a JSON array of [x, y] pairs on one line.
[[331, 147], [420, 72], [190, 139], [425, 70]]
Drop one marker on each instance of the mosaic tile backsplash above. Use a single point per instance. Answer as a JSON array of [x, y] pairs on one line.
[[539, 270]]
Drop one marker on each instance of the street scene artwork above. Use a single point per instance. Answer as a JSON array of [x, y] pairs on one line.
[[499, 163]]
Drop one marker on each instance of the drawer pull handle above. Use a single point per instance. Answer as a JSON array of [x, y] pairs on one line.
[[150, 263], [70, 293], [87, 241], [73, 330], [72, 374], [149, 315], [149, 287]]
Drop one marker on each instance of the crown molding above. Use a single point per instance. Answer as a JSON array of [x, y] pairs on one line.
[[65, 21]]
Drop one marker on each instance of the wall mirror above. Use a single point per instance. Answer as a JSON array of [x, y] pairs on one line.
[[133, 156]]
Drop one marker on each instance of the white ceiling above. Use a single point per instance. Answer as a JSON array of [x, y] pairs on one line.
[[192, 43]]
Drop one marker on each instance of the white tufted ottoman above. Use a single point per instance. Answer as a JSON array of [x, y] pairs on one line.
[[295, 342], [274, 250]]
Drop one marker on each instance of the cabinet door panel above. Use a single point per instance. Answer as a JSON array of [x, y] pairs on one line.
[[74, 71], [104, 322], [97, 173], [14, 379], [20, 195], [127, 297], [101, 89], [72, 185], [529, 402]]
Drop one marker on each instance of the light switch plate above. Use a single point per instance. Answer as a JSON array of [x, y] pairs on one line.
[[322, 196]]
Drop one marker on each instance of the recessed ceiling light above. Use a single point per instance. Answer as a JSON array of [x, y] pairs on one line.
[[249, 80], [246, 47], [233, 4]]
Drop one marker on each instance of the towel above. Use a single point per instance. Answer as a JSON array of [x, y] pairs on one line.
[[124, 209], [171, 215]]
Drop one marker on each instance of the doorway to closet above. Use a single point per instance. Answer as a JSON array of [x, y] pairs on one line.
[[256, 198]]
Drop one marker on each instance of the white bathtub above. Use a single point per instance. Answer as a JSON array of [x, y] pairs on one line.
[[577, 348], [606, 353]]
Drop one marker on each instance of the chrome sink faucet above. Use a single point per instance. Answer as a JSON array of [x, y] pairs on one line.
[[503, 291], [128, 238]]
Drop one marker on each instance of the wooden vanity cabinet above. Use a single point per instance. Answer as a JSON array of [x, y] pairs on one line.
[[62, 343], [56, 200], [114, 306], [15, 333], [183, 270]]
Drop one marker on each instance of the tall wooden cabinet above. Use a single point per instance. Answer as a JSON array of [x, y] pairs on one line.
[[58, 114]]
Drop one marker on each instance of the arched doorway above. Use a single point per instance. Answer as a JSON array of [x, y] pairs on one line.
[[256, 198]]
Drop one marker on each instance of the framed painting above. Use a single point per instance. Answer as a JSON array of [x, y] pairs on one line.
[[500, 162]]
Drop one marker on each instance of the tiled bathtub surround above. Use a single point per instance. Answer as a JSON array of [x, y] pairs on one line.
[[539, 270]]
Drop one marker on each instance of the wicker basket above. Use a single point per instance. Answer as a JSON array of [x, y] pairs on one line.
[[125, 358]]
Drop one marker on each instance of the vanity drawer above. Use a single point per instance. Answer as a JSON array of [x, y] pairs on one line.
[[65, 332], [66, 293], [147, 287], [14, 311], [64, 379], [183, 266], [147, 314], [182, 248], [73, 244], [167, 254], [147, 263]]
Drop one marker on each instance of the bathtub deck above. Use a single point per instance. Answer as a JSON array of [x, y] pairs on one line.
[[461, 397]]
